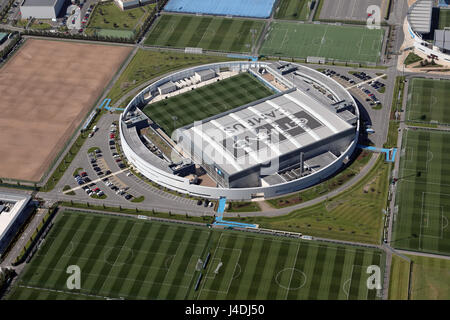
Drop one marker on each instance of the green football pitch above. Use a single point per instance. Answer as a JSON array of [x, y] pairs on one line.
[[206, 101], [444, 18], [344, 43], [209, 33], [423, 192], [293, 10], [130, 258], [428, 101]]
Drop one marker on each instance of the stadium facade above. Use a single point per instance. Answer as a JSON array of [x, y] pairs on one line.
[[419, 19], [295, 138]]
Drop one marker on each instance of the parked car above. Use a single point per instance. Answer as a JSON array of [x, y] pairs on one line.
[[83, 174], [128, 196]]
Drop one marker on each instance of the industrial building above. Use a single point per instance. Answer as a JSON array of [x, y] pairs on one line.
[[167, 87], [129, 4], [299, 136], [41, 9], [14, 211], [205, 75]]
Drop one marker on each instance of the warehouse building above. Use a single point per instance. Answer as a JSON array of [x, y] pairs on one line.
[[41, 9], [204, 75], [129, 4], [14, 211], [167, 87]]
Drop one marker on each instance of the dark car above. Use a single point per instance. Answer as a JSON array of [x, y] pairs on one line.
[[199, 202], [121, 165], [128, 196], [108, 172], [87, 179]]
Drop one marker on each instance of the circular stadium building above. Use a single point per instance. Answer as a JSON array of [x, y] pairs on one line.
[[240, 130], [419, 20]]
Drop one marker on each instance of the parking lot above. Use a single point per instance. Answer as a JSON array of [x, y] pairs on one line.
[[105, 165], [365, 87], [349, 9]]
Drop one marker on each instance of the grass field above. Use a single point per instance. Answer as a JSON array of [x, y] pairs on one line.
[[444, 18], [353, 215], [147, 65], [430, 278], [428, 101], [344, 43], [292, 10], [206, 101], [110, 16], [399, 278], [135, 259], [423, 192], [222, 34]]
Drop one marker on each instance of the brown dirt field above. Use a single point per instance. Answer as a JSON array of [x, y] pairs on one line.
[[46, 90]]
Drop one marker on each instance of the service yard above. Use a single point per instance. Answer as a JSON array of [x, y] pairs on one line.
[[46, 90]]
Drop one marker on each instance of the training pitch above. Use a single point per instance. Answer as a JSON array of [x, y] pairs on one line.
[[206, 101], [344, 43], [136, 259], [423, 192], [293, 10], [428, 101], [222, 34], [444, 18], [46, 89]]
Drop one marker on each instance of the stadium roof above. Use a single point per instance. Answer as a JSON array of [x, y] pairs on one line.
[[419, 16], [39, 3], [286, 123], [442, 39], [7, 219]]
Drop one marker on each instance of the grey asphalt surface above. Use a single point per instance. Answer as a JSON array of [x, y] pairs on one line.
[[348, 9]]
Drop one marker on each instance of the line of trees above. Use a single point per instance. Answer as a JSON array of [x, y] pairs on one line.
[[14, 40]]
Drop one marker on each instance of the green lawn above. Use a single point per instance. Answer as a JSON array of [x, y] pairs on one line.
[[147, 65], [292, 10], [430, 278], [423, 192], [222, 34], [206, 101], [444, 18], [136, 259], [411, 58], [250, 206], [109, 16], [344, 43], [354, 215], [428, 101], [361, 158], [399, 278]]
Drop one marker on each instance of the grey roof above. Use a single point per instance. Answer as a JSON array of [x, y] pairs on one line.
[[135, 143], [285, 123], [7, 219], [442, 39], [39, 3], [168, 84], [419, 16], [206, 72]]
